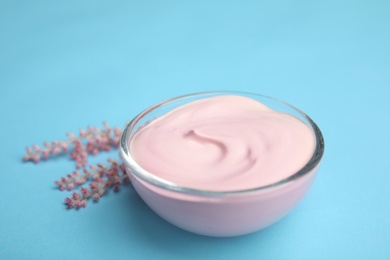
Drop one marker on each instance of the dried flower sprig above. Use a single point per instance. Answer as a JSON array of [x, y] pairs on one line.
[[102, 178], [90, 141]]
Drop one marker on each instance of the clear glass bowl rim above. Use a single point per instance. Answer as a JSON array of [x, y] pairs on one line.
[[167, 185]]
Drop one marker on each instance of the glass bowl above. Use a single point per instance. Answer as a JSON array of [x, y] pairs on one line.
[[219, 213]]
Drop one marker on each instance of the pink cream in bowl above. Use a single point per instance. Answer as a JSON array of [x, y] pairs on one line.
[[222, 163]]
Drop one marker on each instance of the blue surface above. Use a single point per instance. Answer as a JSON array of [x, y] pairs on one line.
[[65, 65]]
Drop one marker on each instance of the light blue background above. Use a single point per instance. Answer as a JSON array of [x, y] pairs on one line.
[[69, 64]]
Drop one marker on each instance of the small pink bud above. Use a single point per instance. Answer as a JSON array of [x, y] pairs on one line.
[[45, 155], [70, 186], [96, 197], [70, 203], [82, 132], [83, 203], [56, 151], [85, 192], [117, 131], [64, 147], [111, 160], [94, 186], [76, 196], [80, 181]]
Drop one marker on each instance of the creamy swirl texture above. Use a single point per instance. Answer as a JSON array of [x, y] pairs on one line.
[[223, 143]]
